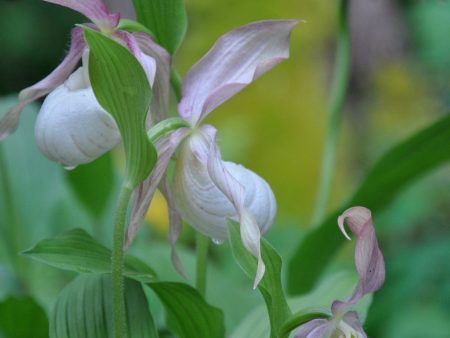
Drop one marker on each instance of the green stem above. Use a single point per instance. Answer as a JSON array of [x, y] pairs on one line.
[[117, 262], [337, 100], [175, 80], [202, 260]]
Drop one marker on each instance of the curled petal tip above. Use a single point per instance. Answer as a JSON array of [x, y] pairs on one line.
[[341, 220]]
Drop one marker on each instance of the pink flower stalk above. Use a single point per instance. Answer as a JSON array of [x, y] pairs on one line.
[[207, 191], [72, 128], [369, 264]]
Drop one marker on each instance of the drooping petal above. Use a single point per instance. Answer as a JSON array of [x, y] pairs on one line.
[[161, 88], [72, 128], [143, 195], [208, 191], [95, 10], [306, 329], [237, 58], [175, 226], [369, 260], [147, 62], [10, 121]]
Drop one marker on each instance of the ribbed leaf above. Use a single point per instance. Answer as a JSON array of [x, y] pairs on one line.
[[399, 167], [77, 251], [122, 88], [165, 18], [270, 286], [188, 315], [84, 309]]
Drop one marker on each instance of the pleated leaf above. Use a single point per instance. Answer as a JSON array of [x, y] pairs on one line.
[[84, 309], [122, 89], [165, 18], [270, 286], [398, 168], [188, 315], [78, 251]]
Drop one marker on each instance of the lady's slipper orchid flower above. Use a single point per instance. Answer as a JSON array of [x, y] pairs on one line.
[[206, 190], [72, 128], [370, 267]]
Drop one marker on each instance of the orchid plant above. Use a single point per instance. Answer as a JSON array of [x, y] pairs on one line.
[[121, 92]]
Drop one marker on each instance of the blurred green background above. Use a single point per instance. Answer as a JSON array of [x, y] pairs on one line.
[[399, 84]]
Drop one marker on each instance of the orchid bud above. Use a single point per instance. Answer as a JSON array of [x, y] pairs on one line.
[[203, 204], [72, 128]]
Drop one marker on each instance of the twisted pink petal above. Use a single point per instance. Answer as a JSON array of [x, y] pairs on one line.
[[95, 10], [161, 88], [144, 193], [369, 260], [237, 58], [235, 192], [10, 121], [147, 62]]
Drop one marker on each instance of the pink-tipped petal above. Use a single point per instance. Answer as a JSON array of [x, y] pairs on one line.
[[369, 260], [352, 319], [236, 193], [175, 226], [10, 121], [144, 193], [95, 10], [124, 8], [304, 330], [161, 88], [209, 191], [237, 58], [147, 62]]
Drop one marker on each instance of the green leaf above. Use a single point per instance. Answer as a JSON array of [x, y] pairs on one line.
[[188, 315], [93, 195], [122, 88], [84, 309], [77, 251], [316, 303], [399, 167], [133, 26], [22, 317], [270, 286], [165, 18]]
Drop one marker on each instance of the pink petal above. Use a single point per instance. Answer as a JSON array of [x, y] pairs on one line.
[[237, 58], [161, 88], [125, 8], [10, 121], [352, 319], [368, 257], [147, 62], [95, 10], [235, 192], [175, 227], [304, 330], [144, 193]]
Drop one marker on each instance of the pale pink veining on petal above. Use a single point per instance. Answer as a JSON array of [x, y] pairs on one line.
[[369, 264], [10, 121]]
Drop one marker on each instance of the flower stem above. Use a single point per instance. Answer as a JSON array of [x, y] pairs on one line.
[[337, 100], [117, 262], [202, 260]]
